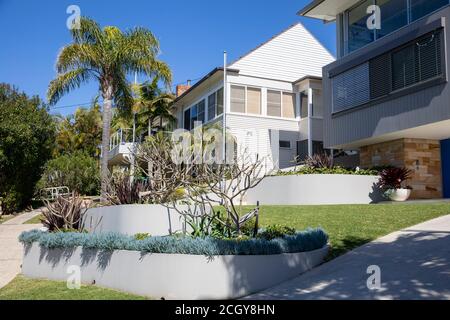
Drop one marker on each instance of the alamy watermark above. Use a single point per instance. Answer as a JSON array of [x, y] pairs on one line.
[[74, 20], [374, 280]]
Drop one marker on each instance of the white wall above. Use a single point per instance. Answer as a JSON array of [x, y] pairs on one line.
[[315, 190], [291, 55]]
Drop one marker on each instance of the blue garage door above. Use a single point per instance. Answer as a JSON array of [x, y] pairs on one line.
[[445, 150]]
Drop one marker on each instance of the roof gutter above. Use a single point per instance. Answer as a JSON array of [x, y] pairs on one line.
[[209, 75]]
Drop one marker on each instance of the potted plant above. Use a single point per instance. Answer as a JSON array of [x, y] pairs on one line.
[[393, 183]]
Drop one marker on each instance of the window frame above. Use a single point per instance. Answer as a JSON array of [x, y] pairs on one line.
[[285, 148]]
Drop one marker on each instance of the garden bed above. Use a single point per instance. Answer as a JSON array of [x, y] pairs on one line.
[[174, 268]]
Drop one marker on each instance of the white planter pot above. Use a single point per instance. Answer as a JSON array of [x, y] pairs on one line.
[[399, 195]]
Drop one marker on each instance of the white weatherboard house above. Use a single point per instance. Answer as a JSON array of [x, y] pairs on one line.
[[274, 97]]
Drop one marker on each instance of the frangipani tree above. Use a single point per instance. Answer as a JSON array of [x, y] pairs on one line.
[[107, 56]]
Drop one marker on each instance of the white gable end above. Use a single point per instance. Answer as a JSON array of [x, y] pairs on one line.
[[293, 54]]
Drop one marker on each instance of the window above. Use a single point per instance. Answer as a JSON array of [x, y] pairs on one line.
[[187, 119], [288, 105], [253, 100], [201, 112], [212, 99], [420, 8], [285, 144], [219, 102], [274, 103], [415, 62], [358, 33], [238, 99], [193, 116], [304, 105], [394, 15], [351, 88]]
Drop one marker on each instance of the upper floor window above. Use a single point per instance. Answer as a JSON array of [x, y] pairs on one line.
[[215, 105], [415, 63], [420, 8], [196, 113], [274, 103], [245, 100], [394, 15]]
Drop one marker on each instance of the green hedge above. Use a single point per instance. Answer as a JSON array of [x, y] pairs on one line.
[[336, 170], [305, 241]]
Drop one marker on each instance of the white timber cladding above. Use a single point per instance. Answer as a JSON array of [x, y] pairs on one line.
[[291, 55]]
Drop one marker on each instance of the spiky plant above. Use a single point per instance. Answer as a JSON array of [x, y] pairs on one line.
[[107, 56], [64, 214], [394, 178]]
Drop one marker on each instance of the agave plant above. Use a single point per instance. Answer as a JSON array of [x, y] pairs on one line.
[[126, 190], [64, 214], [394, 178]]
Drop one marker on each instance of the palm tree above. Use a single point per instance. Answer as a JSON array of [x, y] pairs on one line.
[[152, 103], [107, 55]]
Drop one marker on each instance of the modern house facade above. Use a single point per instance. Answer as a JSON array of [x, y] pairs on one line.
[[387, 94], [274, 105]]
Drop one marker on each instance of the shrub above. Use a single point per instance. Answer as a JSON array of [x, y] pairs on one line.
[[78, 171], [65, 214], [276, 231], [319, 161], [336, 170], [308, 240], [27, 134], [125, 189], [394, 178]]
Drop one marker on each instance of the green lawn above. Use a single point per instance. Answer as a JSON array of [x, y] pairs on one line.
[[5, 218], [26, 289], [352, 226], [35, 220]]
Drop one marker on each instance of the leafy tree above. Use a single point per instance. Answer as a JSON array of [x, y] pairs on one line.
[[151, 104], [80, 132], [27, 134], [107, 56], [78, 171]]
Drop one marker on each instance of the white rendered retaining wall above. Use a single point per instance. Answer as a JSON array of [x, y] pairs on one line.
[[155, 220], [173, 277], [316, 189]]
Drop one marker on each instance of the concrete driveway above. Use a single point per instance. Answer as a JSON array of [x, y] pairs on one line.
[[11, 250], [414, 264]]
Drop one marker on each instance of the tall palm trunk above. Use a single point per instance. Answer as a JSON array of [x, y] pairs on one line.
[[107, 116]]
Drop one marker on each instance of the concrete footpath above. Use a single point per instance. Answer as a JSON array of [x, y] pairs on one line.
[[11, 250], [414, 264]]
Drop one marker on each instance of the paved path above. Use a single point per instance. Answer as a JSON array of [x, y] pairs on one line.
[[11, 251], [415, 264]]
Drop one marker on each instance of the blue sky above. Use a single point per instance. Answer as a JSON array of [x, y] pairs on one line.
[[193, 35]]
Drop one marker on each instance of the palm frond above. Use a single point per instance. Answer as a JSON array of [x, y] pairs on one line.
[[88, 33], [66, 82]]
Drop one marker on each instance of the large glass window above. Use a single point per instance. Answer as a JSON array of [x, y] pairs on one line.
[[238, 99], [394, 15], [254, 100], [201, 112], [358, 33], [288, 105], [219, 102], [187, 119], [274, 103], [420, 8], [212, 106]]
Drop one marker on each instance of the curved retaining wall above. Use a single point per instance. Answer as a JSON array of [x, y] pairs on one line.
[[133, 219], [173, 277], [316, 189]]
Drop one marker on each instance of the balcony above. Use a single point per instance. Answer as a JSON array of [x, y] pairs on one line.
[[121, 147]]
